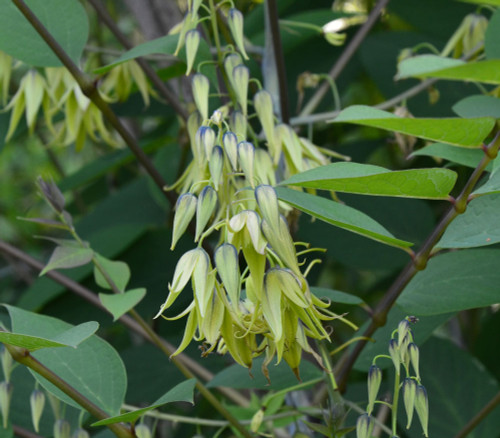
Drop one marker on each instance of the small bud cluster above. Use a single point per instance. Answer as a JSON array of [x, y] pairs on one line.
[[404, 354], [253, 297]]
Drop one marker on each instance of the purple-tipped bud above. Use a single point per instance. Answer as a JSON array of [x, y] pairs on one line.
[[62, 429], [394, 353], [403, 328], [235, 22], [52, 194], [246, 158], [364, 426], [216, 165], [200, 87], [374, 381], [5, 397], [192, 44], [230, 143], [205, 141], [241, 76], [204, 209], [409, 396], [37, 403], [142, 431], [414, 358], [184, 212], [422, 407]]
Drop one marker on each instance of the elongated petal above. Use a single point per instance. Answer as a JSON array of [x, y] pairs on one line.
[[271, 307], [246, 158], [189, 332], [230, 143], [226, 261], [192, 44], [205, 207], [185, 210]]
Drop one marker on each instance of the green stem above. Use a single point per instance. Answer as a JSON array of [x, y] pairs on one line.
[[215, 30], [24, 357], [395, 402]]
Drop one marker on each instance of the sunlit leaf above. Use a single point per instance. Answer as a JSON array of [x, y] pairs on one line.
[[119, 304]]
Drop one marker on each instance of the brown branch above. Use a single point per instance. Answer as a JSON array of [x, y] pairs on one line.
[[418, 263], [345, 57], [279, 59], [480, 416], [24, 433], [148, 70]]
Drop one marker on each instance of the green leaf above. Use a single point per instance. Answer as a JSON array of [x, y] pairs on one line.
[[65, 257], [421, 332], [119, 304], [460, 132], [339, 215], [478, 106], [492, 37], [366, 179], [483, 2], [119, 273], [68, 338], [183, 392], [281, 376], [454, 281], [487, 71], [164, 45], [478, 226], [336, 296], [94, 368], [491, 186], [450, 375], [417, 65], [463, 156], [66, 20]]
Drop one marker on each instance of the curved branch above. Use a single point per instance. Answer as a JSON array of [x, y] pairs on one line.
[[480, 416]]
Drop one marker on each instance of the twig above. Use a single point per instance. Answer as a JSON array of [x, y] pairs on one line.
[[393, 101], [148, 70], [126, 320], [272, 10], [345, 57], [418, 263], [480, 416], [24, 433], [24, 357]]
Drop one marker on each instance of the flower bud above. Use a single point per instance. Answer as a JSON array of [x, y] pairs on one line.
[[414, 358], [230, 143], [217, 117], [394, 353], [7, 363], [264, 172], [216, 165], [409, 396], [238, 123], [62, 429], [374, 381], [241, 76], [52, 194], [184, 212], [257, 420], [80, 433], [246, 158], [403, 328], [230, 62], [200, 87], [334, 38], [422, 407], [142, 431], [5, 397], [204, 209], [263, 104], [403, 351], [192, 44], [37, 403], [193, 123], [267, 201], [190, 22], [226, 261], [364, 426], [235, 22], [205, 141]]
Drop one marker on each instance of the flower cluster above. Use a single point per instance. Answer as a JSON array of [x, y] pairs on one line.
[[266, 307], [404, 354], [54, 91]]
